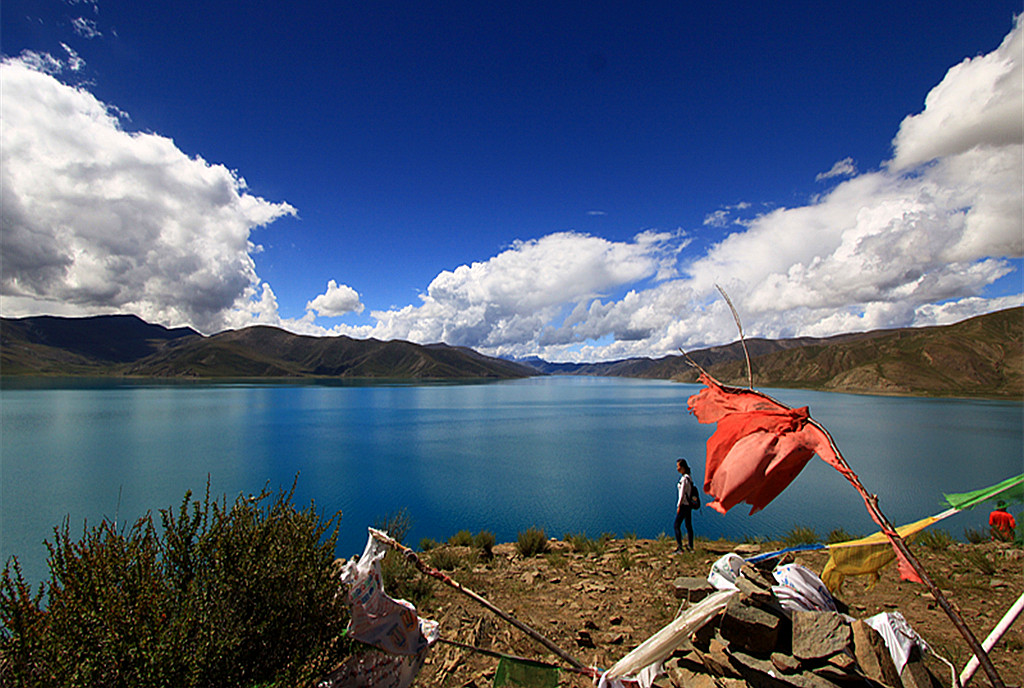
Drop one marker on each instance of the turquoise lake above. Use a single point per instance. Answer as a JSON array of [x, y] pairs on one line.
[[567, 454]]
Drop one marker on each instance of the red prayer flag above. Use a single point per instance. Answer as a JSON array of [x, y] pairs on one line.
[[760, 446]]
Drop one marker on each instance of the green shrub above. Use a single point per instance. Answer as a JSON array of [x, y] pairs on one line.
[[396, 524], [401, 579], [839, 535], [800, 535], [582, 544], [463, 538], [485, 541], [978, 560], [427, 544], [444, 558], [237, 595], [532, 541], [975, 536], [935, 539], [579, 542]]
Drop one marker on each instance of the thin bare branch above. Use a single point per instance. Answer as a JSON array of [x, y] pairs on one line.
[[739, 326]]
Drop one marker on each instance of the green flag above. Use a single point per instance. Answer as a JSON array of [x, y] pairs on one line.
[[1010, 490], [525, 674]]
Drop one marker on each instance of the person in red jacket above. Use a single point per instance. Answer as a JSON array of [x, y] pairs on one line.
[[1002, 523]]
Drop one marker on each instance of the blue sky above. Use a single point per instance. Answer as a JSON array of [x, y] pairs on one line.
[[563, 179]]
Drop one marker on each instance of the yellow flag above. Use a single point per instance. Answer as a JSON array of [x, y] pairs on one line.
[[866, 556]]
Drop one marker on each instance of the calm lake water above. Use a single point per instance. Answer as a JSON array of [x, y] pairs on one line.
[[567, 454]]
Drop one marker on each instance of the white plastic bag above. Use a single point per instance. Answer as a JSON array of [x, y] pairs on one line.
[[725, 571], [800, 589], [378, 620]]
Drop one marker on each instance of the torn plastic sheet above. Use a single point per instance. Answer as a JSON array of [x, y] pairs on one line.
[[899, 637]]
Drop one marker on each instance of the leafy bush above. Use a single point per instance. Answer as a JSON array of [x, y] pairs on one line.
[[427, 544], [935, 539], [397, 524], [800, 535], [975, 536], [978, 560], [463, 538], [532, 541], [444, 558], [401, 579], [485, 540], [234, 595], [579, 542], [839, 535], [584, 545]]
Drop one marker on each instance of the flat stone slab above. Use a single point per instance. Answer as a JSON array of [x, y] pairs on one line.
[[748, 628], [692, 588], [872, 655], [817, 635]]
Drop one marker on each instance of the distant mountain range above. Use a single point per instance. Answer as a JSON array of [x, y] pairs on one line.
[[980, 357], [125, 345]]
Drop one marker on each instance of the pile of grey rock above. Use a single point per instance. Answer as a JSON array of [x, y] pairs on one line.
[[755, 642]]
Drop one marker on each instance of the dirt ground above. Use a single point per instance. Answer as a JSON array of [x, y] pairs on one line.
[[599, 607]]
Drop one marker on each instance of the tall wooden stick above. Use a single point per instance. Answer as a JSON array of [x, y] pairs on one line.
[[871, 501], [414, 559]]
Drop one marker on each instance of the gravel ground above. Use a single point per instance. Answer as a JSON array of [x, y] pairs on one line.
[[597, 607]]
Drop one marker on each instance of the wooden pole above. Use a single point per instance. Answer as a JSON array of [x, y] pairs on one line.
[[414, 559], [871, 501]]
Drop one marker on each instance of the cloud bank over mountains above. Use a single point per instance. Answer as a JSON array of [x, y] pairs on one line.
[[97, 219]]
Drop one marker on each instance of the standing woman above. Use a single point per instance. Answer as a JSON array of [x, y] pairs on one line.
[[684, 507]]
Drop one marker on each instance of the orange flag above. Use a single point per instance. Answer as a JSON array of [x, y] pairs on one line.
[[760, 446]]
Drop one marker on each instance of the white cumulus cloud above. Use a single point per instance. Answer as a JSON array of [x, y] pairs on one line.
[[977, 104], [86, 28], [842, 168], [505, 303], [337, 300], [98, 219]]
